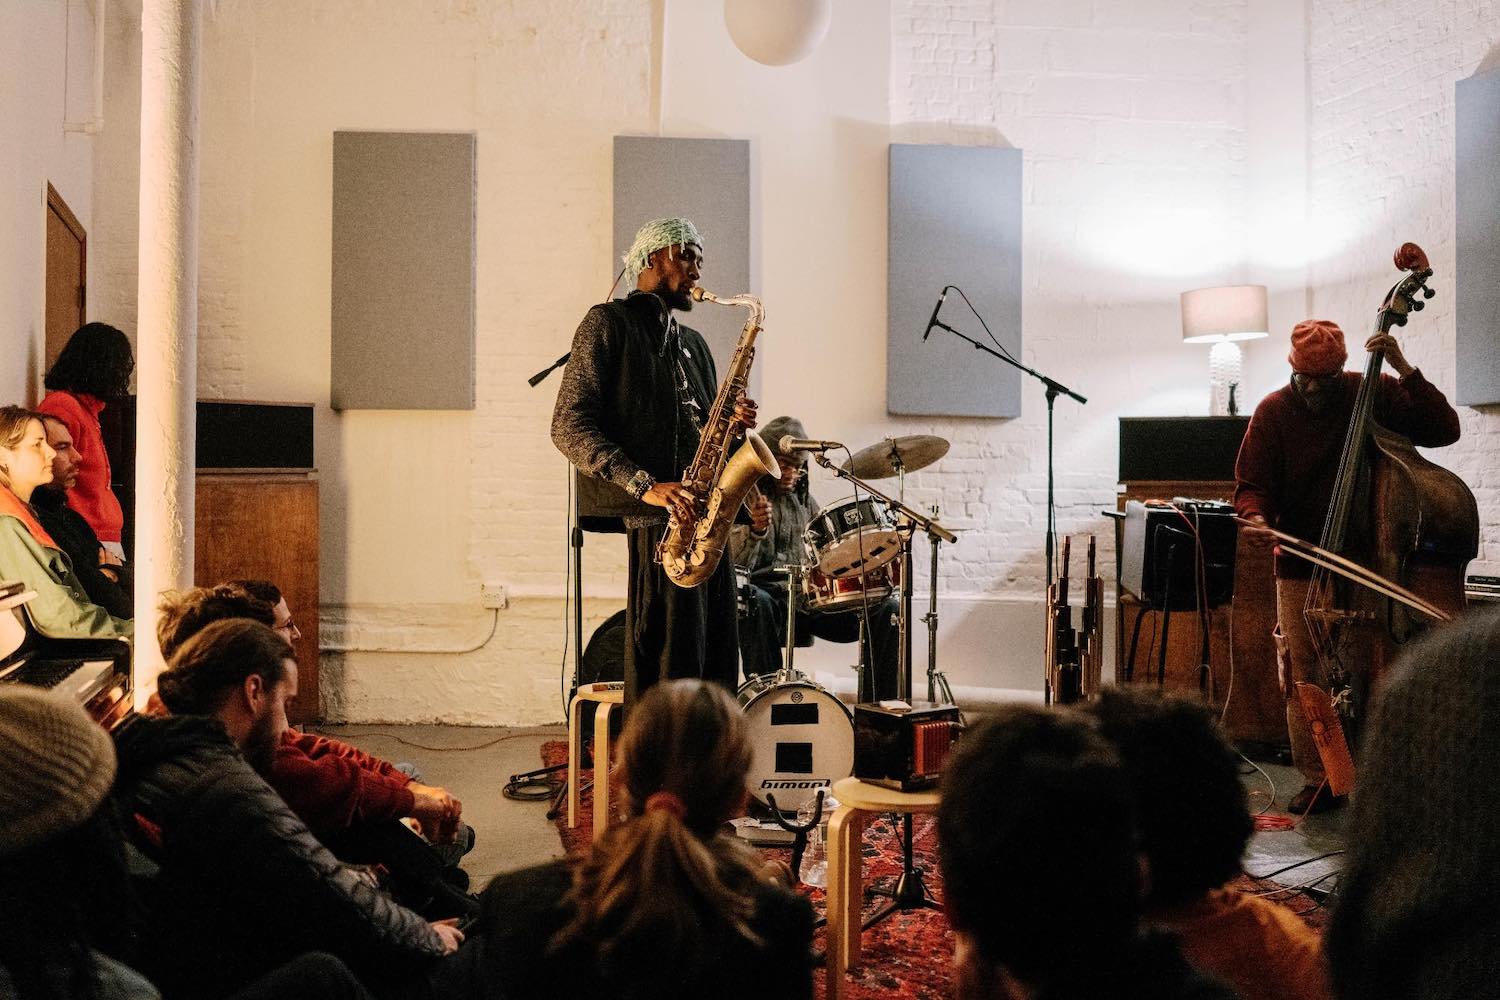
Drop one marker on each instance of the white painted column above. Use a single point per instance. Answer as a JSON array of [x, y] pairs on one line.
[[167, 323]]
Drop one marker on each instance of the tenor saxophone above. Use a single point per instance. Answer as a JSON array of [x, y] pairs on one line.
[[718, 481]]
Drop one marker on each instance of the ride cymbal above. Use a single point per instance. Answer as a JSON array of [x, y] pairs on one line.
[[893, 456]]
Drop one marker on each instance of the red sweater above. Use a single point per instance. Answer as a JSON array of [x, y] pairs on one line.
[[332, 786], [1289, 458], [91, 496]]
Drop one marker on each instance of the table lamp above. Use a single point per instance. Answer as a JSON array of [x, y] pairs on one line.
[[1221, 316]]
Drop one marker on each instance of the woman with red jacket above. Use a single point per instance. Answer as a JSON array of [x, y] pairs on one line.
[[92, 368]]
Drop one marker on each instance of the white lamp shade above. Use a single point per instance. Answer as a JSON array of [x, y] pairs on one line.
[[777, 32], [1229, 312]]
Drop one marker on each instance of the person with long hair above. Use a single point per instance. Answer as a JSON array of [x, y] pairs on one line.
[[61, 607], [92, 369], [666, 903]]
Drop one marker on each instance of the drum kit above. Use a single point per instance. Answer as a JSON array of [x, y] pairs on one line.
[[858, 552]]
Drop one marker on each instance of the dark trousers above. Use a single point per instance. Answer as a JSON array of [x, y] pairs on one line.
[[423, 877], [763, 636], [674, 632]]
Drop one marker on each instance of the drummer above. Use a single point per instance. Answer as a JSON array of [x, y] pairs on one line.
[[763, 622]]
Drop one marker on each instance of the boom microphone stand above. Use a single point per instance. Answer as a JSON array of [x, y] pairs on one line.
[[575, 549], [1054, 389], [910, 892]]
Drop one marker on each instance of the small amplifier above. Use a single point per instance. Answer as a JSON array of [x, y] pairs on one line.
[[1160, 547], [903, 747]]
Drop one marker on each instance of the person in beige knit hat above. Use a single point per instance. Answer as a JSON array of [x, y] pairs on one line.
[[64, 893]]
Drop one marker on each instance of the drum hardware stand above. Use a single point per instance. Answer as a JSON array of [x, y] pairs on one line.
[[910, 892]]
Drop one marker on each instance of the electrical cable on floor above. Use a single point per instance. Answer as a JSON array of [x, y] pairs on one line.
[[537, 788], [1295, 864], [1269, 780]]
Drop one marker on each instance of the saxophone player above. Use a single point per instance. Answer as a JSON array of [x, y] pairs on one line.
[[633, 399]]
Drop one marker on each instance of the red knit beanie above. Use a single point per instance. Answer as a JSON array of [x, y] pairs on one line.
[[1317, 348]]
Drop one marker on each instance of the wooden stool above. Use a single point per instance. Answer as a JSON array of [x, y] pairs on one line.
[[845, 878], [606, 696]]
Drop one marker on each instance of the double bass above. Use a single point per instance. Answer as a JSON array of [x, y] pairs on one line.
[[1400, 516]]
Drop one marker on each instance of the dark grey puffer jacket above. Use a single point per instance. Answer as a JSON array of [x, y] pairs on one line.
[[243, 885]]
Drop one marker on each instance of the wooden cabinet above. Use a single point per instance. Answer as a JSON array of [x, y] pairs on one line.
[[256, 508], [1194, 457], [264, 526]]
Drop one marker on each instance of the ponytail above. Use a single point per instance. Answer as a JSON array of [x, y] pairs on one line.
[[665, 888]]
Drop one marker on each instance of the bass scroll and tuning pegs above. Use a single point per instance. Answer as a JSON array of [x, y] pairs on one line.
[[1428, 293], [1418, 305]]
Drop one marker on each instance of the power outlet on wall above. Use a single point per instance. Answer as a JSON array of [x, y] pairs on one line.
[[493, 596]]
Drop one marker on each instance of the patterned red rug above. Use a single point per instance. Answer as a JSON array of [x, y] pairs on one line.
[[907, 955]]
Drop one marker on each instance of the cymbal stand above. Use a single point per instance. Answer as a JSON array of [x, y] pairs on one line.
[[910, 892], [793, 573], [915, 520]]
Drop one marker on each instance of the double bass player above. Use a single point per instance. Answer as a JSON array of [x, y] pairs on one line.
[[1285, 475]]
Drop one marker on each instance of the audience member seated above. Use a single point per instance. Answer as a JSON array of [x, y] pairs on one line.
[[67, 908], [93, 368], [352, 801], [28, 553], [106, 582], [666, 904], [1417, 913], [1195, 823], [64, 895], [243, 885], [1041, 871]]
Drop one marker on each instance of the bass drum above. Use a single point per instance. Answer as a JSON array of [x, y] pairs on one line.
[[801, 738]]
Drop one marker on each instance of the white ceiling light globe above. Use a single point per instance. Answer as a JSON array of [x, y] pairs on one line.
[[777, 32]]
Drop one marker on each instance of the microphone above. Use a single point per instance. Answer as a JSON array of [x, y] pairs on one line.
[[935, 310], [789, 444]]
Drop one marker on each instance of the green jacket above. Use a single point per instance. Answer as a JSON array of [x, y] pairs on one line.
[[60, 608]]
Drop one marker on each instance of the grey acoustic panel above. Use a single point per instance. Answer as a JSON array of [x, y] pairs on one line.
[[708, 181], [403, 271], [955, 219], [1478, 224]]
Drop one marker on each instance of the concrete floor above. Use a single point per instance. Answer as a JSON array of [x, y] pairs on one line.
[[474, 764]]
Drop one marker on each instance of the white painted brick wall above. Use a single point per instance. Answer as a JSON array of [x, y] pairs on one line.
[[1382, 172], [1132, 121], [1132, 117]]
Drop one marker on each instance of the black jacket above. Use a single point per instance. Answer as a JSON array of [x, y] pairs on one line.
[[620, 408], [77, 539], [522, 911], [243, 885]]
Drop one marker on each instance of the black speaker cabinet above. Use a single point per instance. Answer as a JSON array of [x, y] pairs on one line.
[[1159, 553]]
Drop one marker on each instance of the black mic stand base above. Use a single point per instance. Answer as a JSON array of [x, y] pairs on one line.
[[910, 891]]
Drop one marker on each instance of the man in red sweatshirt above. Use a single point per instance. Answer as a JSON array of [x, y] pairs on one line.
[[353, 802], [1285, 476]]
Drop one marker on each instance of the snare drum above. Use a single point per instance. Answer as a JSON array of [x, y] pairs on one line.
[[851, 536], [801, 739], [822, 595]]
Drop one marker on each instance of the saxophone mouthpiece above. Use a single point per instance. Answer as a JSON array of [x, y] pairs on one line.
[[699, 294]]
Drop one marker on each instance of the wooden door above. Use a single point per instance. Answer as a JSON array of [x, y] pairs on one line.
[[66, 293]]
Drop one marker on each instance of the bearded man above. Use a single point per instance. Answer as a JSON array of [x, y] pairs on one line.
[[1285, 476], [633, 400]]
